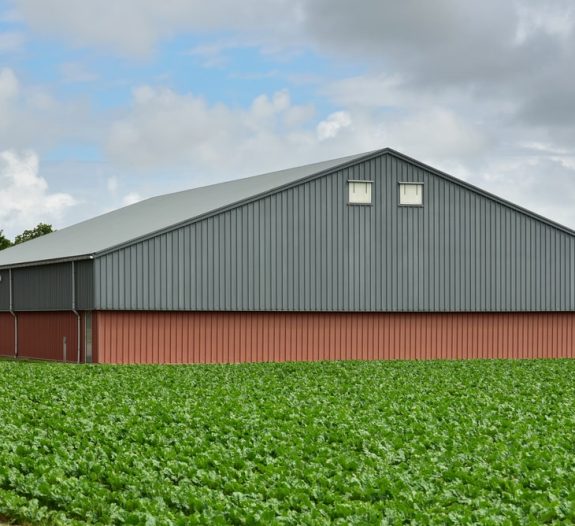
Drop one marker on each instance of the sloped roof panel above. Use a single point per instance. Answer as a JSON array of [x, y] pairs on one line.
[[155, 214]]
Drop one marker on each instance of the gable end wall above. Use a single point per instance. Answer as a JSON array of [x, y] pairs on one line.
[[305, 249]]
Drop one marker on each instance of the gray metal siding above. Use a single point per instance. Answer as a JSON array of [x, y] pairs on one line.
[[46, 287], [4, 290], [306, 249], [84, 284]]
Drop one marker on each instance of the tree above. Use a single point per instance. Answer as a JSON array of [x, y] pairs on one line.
[[41, 230], [4, 241]]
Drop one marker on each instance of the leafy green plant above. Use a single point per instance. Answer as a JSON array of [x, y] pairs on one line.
[[476, 442]]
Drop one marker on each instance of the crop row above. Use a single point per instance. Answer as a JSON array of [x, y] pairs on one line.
[[484, 442]]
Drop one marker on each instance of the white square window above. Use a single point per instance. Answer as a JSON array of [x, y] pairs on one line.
[[411, 194], [359, 192]]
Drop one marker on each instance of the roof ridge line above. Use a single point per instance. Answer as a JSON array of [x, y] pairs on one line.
[[236, 204], [359, 159]]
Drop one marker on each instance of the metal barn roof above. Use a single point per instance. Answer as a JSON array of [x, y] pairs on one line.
[[155, 214]]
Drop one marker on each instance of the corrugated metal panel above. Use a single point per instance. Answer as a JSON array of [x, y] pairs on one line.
[[43, 288], [306, 249], [84, 284], [95, 338], [41, 335], [4, 290], [200, 337], [6, 334], [48, 287]]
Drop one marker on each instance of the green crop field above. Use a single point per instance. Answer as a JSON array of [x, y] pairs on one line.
[[485, 442]]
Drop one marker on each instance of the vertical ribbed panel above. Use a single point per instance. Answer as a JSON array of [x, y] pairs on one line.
[[84, 284], [41, 334], [95, 338], [46, 287], [6, 334], [200, 337], [306, 249], [4, 290]]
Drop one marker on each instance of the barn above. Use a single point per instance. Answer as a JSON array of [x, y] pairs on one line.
[[371, 256]]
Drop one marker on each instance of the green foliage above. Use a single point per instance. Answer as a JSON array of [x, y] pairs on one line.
[[477, 442], [4, 241], [41, 230]]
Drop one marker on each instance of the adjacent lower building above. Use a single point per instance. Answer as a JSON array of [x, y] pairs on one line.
[[372, 256]]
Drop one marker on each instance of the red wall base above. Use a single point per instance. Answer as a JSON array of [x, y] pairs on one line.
[[41, 335], [6, 334], [225, 337]]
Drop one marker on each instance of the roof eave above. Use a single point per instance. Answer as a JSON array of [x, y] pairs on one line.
[[38, 263]]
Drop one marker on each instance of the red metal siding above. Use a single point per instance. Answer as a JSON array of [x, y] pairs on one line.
[[227, 337], [6, 334], [95, 334], [41, 334]]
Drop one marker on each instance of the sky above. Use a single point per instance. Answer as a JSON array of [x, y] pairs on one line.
[[103, 104]]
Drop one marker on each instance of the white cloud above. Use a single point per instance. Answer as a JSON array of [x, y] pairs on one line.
[[368, 91], [540, 184], [168, 129], [135, 26], [131, 198], [264, 107], [31, 115], [330, 127], [436, 133], [9, 86], [25, 199], [553, 18], [457, 54]]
